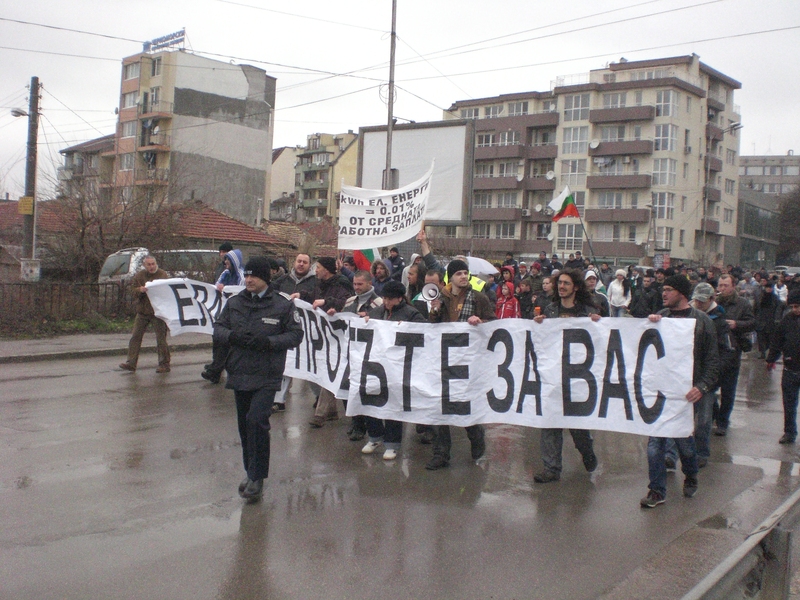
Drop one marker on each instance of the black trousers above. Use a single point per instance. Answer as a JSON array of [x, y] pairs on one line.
[[253, 409], [442, 443], [219, 356]]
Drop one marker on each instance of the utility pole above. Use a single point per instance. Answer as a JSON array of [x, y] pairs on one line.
[[388, 180], [28, 207]]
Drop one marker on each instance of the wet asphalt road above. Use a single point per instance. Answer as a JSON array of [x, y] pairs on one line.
[[119, 486]]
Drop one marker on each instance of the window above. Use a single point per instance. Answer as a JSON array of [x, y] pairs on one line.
[[450, 231], [480, 230], [126, 194], [634, 199], [664, 171], [482, 200], [487, 139], [682, 237], [614, 100], [492, 112], [313, 143], [505, 231], [606, 232], [507, 200], [576, 140], [793, 170], [637, 132], [155, 97], [730, 156], [576, 108], [580, 199], [688, 109], [609, 200], [130, 99], [664, 238], [637, 97], [484, 169], [727, 215], [666, 103], [129, 128], [663, 205], [570, 237], [516, 109], [155, 67], [321, 158], [573, 172], [541, 230], [787, 188], [773, 170], [652, 74], [683, 204], [508, 169], [549, 105], [730, 186], [612, 133], [685, 170], [632, 233], [666, 137], [131, 71], [687, 137], [754, 171], [470, 113], [126, 162], [308, 194], [545, 137], [509, 138]]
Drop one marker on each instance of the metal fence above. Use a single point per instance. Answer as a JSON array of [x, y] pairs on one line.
[[64, 300]]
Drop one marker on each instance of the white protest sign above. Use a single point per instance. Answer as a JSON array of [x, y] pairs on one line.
[[626, 375], [187, 305], [372, 218]]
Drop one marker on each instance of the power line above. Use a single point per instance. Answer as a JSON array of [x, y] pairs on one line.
[[280, 12], [102, 35], [73, 112]]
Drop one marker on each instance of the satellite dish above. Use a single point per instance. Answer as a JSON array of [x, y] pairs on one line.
[[594, 143], [156, 130], [538, 208], [520, 176], [550, 175], [550, 237]]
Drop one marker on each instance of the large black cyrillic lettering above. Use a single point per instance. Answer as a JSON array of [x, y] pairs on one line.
[[651, 337], [570, 371], [183, 301], [620, 389], [501, 405], [409, 341], [453, 340], [371, 369], [530, 387]]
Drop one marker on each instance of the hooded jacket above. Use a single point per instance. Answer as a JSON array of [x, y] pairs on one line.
[[234, 275]]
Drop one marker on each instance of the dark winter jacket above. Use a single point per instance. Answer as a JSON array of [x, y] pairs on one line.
[[739, 310], [644, 302], [706, 354], [601, 300], [335, 291], [726, 346], [290, 284], [396, 266], [402, 312], [365, 303], [786, 342], [526, 304], [258, 332], [553, 310]]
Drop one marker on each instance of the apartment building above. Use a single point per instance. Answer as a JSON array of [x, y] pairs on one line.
[[776, 175], [326, 161], [649, 148], [191, 128]]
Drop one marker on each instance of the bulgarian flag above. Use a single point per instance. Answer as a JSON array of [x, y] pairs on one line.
[[564, 205], [365, 258]]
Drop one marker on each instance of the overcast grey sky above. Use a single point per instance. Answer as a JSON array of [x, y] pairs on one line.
[[330, 58]]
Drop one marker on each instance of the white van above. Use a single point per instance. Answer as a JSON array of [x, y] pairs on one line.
[[191, 263]]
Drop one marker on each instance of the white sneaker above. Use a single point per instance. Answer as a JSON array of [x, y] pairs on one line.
[[370, 447], [389, 454]]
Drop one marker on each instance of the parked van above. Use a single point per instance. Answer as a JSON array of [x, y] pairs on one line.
[[190, 263]]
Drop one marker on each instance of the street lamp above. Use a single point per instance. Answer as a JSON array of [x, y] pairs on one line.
[[27, 204], [732, 127]]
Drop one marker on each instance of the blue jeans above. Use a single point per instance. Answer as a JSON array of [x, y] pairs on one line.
[[790, 387], [656, 451], [702, 429], [385, 430], [619, 311]]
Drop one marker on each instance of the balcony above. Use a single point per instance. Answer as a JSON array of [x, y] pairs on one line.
[[495, 183], [151, 176], [713, 194], [314, 167], [541, 151], [496, 214], [519, 122], [538, 182], [64, 173], [155, 142], [622, 147], [710, 225], [626, 113], [314, 184], [532, 216], [490, 152], [713, 163], [714, 133], [159, 109], [617, 215], [481, 246], [611, 181], [617, 249]]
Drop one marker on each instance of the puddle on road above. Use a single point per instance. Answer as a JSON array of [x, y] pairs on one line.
[[770, 466]]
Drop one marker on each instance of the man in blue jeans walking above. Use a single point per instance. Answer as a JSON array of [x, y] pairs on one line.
[[676, 292]]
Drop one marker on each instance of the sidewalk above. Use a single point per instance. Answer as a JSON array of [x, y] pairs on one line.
[[88, 345]]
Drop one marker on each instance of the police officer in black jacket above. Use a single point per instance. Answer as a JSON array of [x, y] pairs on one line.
[[259, 325]]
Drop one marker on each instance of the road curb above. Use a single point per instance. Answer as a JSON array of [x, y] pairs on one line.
[[98, 352]]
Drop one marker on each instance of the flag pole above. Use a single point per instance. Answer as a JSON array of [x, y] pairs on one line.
[[588, 241]]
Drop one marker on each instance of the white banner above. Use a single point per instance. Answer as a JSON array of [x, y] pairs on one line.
[[625, 375], [187, 305], [373, 218]]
